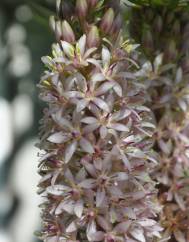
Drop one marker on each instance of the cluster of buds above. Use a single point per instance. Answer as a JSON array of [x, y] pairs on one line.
[[166, 79], [96, 134]]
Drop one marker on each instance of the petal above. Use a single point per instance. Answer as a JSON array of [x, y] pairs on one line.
[[122, 227], [91, 229], [118, 90], [82, 104], [179, 236], [103, 132], [68, 49], [101, 104], [100, 195], [81, 44], [104, 88], [86, 145], [89, 120], [57, 190], [71, 228], [138, 234], [103, 223], [78, 209], [97, 236], [58, 138], [119, 127], [89, 52], [98, 77], [70, 149], [88, 183], [106, 57]]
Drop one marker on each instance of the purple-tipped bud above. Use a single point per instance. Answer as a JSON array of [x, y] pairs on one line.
[[147, 39], [67, 32], [158, 24], [117, 24], [93, 38], [81, 8], [52, 23], [92, 3], [107, 20], [58, 30]]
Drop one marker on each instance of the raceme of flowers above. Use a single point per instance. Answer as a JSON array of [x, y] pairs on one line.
[[97, 138]]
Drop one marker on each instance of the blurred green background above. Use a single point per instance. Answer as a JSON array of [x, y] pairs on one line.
[[24, 38]]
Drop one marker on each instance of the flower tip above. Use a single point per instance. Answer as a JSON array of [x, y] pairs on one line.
[[93, 37], [81, 8], [107, 20], [67, 32]]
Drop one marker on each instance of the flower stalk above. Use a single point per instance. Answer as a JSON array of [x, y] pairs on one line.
[[96, 135]]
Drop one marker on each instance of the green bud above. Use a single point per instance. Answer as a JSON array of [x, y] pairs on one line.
[[81, 8], [67, 32], [52, 23], [107, 21], [93, 37]]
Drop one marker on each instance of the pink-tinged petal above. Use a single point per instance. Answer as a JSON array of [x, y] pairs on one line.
[[88, 53], [73, 94], [129, 139], [100, 195], [86, 145], [71, 228], [147, 222], [91, 229], [118, 90], [58, 138], [122, 227], [125, 160], [98, 77], [55, 177], [57, 190], [78, 209], [81, 175], [106, 56], [87, 184], [89, 120], [138, 234], [121, 176], [119, 127], [104, 88], [52, 239], [103, 223], [98, 236], [180, 201], [68, 175], [80, 46], [179, 236], [82, 104], [101, 104], [68, 206], [103, 132], [90, 128], [121, 115], [70, 150], [89, 167], [94, 62], [62, 122]]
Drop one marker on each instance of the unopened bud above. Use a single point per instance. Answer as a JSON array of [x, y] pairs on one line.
[[81, 8], [65, 9], [52, 23], [185, 65], [92, 3], [67, 32], [116, 27], [171, 51], [58, 6], [107, 20], [58, 30], [93, 37], [158, 24], [176, 27], [147, 39]]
